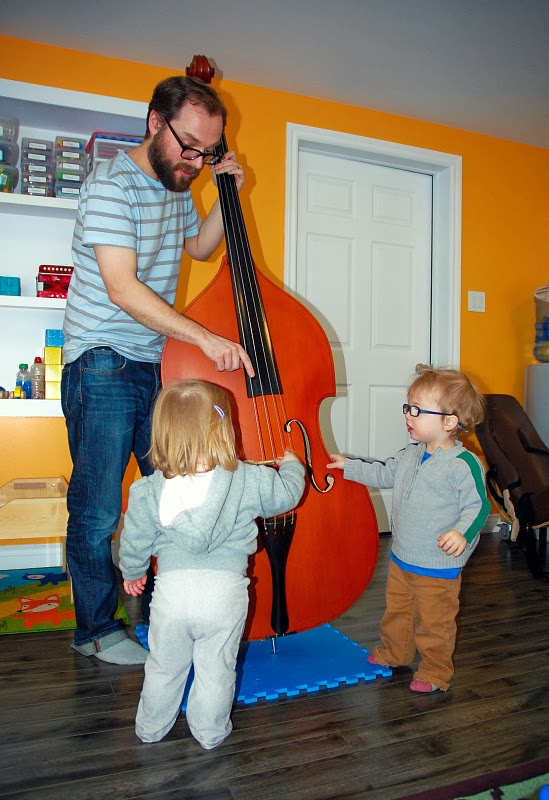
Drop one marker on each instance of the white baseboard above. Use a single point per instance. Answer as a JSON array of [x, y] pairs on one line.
[[491, 524]]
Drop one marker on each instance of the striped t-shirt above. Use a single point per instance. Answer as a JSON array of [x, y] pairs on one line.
[[122, 206]]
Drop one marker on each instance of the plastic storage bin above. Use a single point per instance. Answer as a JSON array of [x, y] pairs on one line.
[[104, 149], [9, 178], [9, 128], [38, 191], [29, 156], [37, 145], [31, 181], [9, 152], [104, 145], [65, 165], [66, 189], [70, 143], [76, 156], [36, 168], [65, 173]]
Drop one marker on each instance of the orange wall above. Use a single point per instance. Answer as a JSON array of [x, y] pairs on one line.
[[505, 242]]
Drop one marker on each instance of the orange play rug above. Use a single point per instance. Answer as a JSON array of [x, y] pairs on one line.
[[36, 599]]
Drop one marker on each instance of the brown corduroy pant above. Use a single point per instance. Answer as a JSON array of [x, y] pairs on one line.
[[420, 616]]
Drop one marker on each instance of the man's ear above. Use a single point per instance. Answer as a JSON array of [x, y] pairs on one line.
[[155, 122]]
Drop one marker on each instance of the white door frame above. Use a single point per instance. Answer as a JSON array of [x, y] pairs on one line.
[[445, 170]]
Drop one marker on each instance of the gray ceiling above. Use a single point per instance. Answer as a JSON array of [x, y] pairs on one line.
[[481, 65]]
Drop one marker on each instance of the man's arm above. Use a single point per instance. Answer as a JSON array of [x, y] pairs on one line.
[[211, 231], [209, 237], [118, 268]]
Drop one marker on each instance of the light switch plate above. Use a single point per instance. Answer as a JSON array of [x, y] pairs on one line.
[[476, 301]]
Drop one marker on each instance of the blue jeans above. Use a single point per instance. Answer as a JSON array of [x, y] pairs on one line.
[[107, 401]]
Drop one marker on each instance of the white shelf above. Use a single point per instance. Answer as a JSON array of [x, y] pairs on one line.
[[46, 305], [57, 207], [30, 408], [38, 230], [36, 303], [67, 111]]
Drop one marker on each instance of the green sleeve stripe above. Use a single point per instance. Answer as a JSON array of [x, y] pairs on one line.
[[485, 508]]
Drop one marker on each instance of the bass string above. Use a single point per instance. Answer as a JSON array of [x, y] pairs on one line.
[[272, 408], [251, 315], [251, 318]]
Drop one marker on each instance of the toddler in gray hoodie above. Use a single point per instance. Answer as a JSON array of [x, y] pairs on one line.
[[196, 514]]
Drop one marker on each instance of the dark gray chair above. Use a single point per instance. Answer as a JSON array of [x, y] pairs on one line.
[[518, 461]]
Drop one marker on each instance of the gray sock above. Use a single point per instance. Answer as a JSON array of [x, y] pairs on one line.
[[124, 652]]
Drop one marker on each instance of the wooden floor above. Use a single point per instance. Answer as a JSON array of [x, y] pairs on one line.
[[66, 722]]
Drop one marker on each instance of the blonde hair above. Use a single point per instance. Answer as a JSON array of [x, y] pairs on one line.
[[192, 429], [456, 395]]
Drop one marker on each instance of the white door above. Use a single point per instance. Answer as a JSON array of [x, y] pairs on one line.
[[364, 237]]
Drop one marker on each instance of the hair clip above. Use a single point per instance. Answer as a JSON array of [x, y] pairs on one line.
[[220, 411]]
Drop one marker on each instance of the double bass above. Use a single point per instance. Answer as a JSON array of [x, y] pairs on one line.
[[313, 563]]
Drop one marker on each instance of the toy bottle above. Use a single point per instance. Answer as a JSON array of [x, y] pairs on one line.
[[541, 346], [37, 376], [23, 380]]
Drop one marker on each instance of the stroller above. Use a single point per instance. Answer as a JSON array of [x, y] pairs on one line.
[[518, 476]]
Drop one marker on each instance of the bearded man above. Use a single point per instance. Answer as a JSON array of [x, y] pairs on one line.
[[135, 217]]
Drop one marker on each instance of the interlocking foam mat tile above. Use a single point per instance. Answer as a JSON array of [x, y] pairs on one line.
[[303, 663]]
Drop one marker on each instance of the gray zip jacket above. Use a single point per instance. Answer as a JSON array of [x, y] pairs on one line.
[[220, 534], [446, 492]]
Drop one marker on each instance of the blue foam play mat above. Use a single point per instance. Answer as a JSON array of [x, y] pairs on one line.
[[322, 658]]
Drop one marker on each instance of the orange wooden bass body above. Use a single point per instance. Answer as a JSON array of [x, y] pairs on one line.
[[313, 564], [335, 545]]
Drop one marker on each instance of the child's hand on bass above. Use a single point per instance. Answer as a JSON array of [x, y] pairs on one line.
[[288, 456]]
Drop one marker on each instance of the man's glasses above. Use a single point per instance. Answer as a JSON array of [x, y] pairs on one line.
[[415, 411], [190, 153]]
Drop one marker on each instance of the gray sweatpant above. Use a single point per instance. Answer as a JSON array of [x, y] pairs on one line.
[[197, 617]]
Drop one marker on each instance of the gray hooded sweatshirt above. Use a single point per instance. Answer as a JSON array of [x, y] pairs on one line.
[[446, 492], [220, 534]]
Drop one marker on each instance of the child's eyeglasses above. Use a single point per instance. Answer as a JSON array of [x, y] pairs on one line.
[[415, 411]]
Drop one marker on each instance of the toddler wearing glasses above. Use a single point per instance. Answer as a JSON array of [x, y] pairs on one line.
[[439, 508]]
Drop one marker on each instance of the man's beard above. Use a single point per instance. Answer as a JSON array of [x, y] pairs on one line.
[[166, 172]]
